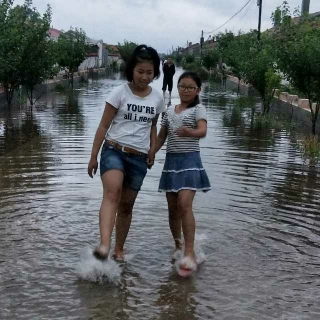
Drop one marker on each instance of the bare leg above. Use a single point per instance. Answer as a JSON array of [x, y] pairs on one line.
[[164, 93], [112, 186], [185, 200], [174, 218], [123, 220]]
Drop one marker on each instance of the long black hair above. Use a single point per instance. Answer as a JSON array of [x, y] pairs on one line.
[[195, 77], [142, 53]]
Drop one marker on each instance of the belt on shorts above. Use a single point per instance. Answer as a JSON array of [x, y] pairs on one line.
[[124, 149]]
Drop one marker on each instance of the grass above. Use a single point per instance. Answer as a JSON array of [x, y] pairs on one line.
[[268, 121], [310, 149]]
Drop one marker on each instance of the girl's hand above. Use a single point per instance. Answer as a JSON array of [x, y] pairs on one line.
[[92, 167], [183, 132], [150, 160]]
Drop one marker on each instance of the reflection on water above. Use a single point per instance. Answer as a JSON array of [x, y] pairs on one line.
[[261, 221]]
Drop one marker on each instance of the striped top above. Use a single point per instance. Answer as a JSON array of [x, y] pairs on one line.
[[187, 118]]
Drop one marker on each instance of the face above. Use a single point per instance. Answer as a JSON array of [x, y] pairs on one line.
[[184, 94], [143, 74], [169, 60]]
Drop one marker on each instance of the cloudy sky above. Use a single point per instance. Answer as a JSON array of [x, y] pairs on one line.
[[162, 24]]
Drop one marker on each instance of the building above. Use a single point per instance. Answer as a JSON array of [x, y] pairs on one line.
[[113, 54], [97, 56], [54, 34]]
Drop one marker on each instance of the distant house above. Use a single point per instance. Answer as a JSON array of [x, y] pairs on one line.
[[113, 54], [193, 49], [97, 56], [54, 34], [209, 44]]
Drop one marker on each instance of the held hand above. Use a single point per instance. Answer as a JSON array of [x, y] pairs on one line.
[[150, 160], [183, 132], [92, 167]]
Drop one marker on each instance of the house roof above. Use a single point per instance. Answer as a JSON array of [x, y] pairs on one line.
[[113, 48], [54, 33]]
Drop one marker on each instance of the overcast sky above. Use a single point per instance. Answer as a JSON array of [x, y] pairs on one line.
[[162, 24]]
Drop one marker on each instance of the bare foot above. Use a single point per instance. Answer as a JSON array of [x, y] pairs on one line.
[[187, 266], [188, 263], [101, 252], [118, 256]]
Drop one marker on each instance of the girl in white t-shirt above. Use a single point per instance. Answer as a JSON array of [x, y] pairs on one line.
[[183, 173], [128, 130]]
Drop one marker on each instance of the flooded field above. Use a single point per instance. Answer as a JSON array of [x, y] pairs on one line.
[[258, 228]]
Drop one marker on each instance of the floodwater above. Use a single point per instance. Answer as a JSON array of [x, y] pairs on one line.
[[258, 229]]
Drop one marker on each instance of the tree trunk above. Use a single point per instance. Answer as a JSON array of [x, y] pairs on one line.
[[72, 80], [313, 126], [30, 95], [314, 116], [9, 95]]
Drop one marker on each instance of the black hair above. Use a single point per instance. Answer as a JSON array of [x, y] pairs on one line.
[[195, 77], [142, 53]]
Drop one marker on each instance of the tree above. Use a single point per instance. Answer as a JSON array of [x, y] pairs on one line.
[[234, 53], [282, 14], [126, 49], [210, 59], [37, 63], [71, 51], [298, 55], [252, 61], [25, 51], [13, 44]]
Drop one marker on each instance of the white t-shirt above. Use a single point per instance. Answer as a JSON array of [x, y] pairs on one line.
[[187, 118], [132, 122]]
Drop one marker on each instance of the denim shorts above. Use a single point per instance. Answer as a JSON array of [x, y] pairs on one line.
[[133, 166]]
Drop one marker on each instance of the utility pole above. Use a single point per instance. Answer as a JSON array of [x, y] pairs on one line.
[[305, 6], [201, 44], [259, 3]]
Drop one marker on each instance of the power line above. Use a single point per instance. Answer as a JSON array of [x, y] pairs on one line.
[[230, 18], [249, 11]]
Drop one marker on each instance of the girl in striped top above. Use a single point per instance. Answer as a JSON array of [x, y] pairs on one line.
[[183, 173]]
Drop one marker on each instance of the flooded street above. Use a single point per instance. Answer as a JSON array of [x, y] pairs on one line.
[[258, 228]]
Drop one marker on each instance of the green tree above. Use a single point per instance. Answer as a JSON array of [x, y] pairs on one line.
[[282, 14], [71, 51], [13, 45], [37, 63], [298, 54], [126, 49], [25, 50], [211, 58], [259, 68], [233, 51]]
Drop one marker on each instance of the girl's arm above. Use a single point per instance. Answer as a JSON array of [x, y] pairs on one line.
[[106, 119], [162, 136], [153, 142], [199, 132]]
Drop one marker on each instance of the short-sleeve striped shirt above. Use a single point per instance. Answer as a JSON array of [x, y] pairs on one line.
[[187, 118]]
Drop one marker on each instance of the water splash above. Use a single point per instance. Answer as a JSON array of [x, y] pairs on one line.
[[93, 270], [200, 241]]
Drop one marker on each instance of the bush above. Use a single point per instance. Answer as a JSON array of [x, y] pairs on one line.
[[310, 149], [60, 88], [268, 121], [196, 67]]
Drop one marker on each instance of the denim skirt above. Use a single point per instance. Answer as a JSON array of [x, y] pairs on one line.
[[183, 171]]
